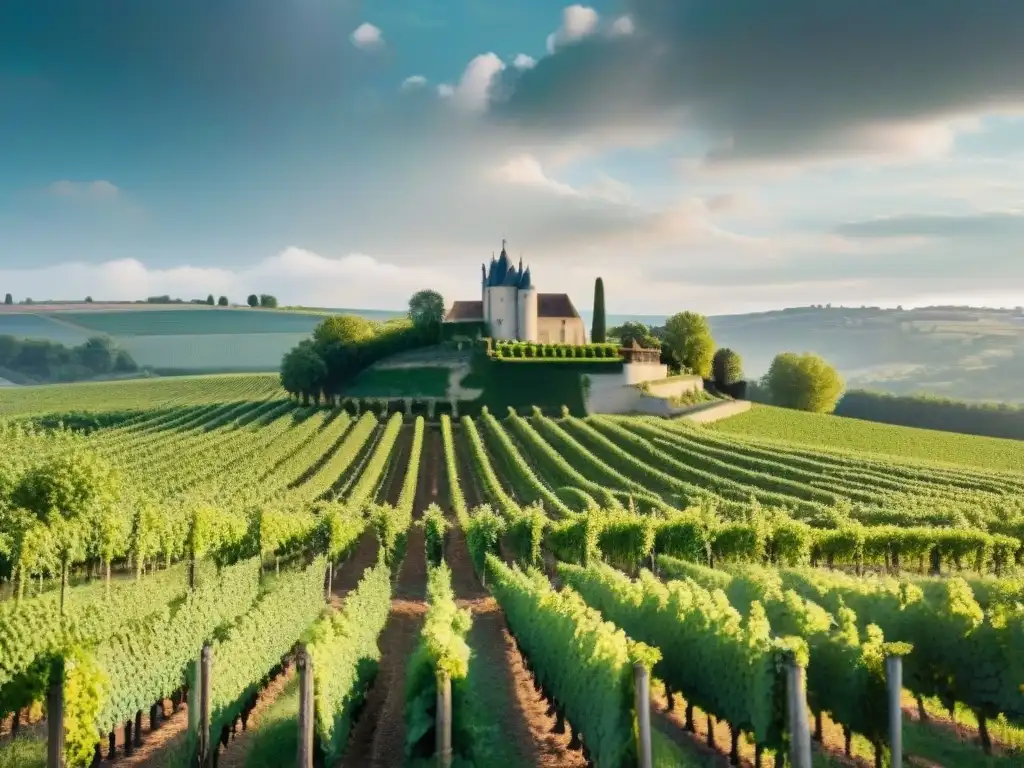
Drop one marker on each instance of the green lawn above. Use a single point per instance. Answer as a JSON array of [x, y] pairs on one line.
[[23, 752], [401, 382], [276, 737], [137, 393], [835, 432]]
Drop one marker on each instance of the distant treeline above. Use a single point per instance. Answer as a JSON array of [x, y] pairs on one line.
[[927, 412], [50, 361]]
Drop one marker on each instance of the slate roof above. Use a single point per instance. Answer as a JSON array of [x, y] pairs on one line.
[[555, 305], [465, 311]]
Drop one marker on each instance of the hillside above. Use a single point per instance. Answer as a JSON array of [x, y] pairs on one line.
[[837, 433], [265, 492], [968, 354], [959, 353]]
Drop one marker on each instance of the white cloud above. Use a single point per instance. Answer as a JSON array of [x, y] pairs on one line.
[[295, 276], [622, 26], [367, 37], [473, 91], [522, 61], [445, 90], [84, 190], [415, 81], [526, 170], [578, 22]]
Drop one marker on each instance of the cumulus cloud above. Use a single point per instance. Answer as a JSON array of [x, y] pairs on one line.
[[622, 26], [474, 88], [578, 22], [367, 37], [414, 81], [522, 61], [84, 190], [801, 79], [295, 276]]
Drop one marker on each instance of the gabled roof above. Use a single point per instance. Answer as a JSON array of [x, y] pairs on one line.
[[555, 305], [465, 311]]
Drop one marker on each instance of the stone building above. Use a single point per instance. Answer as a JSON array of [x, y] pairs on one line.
[[511, 308]]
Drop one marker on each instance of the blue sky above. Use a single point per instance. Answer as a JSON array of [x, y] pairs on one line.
[[718, 155]]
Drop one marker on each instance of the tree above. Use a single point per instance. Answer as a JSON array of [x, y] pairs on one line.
[[88, 299], [209, 299], [72, 492], [98, 354], [631, 331], [222, 301], [688, 339], [803, 382], [267, 301], [253, 300], [726, 367], [8, 299], [303, 371], [598, 333], [343, 329], [426, 311]]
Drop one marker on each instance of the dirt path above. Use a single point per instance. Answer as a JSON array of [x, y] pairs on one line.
[[526, 729], [378, 738]]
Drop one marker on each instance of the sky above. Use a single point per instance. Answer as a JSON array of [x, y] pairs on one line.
[[721, 156]]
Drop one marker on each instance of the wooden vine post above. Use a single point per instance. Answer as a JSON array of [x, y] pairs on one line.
[[894, 653], [443, 724], [642, 682], [798, 726], [55, 716], [306, 713], [204, 687]]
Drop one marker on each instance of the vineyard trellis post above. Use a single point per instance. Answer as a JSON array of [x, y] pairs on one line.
[[894, 686], [306, 715], [55, 716], [443, 724], [799, 728], [204, 690], [642, 681]]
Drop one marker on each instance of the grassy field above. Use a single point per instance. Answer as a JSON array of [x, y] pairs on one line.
[[837, 433], [136, 394], [199, 340], [400, 382]]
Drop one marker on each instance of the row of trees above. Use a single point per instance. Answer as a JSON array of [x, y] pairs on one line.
[[51, 361], [342, 346]]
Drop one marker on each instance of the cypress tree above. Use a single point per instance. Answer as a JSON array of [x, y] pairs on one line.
[[598, 331]]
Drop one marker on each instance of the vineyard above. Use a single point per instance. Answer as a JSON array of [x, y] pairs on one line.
[[202, 571]]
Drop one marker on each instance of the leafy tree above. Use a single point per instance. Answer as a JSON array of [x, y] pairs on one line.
[[804, 382], [688, 340], [343, 329], [8, 299], [88, 299], [303, 371], [726, 367], [209, 299], [598, 333], [253, 300], [123, 362], [98, 354], [267, 301], [426, 310], [631, 331], [222, 301], [72, 492]]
